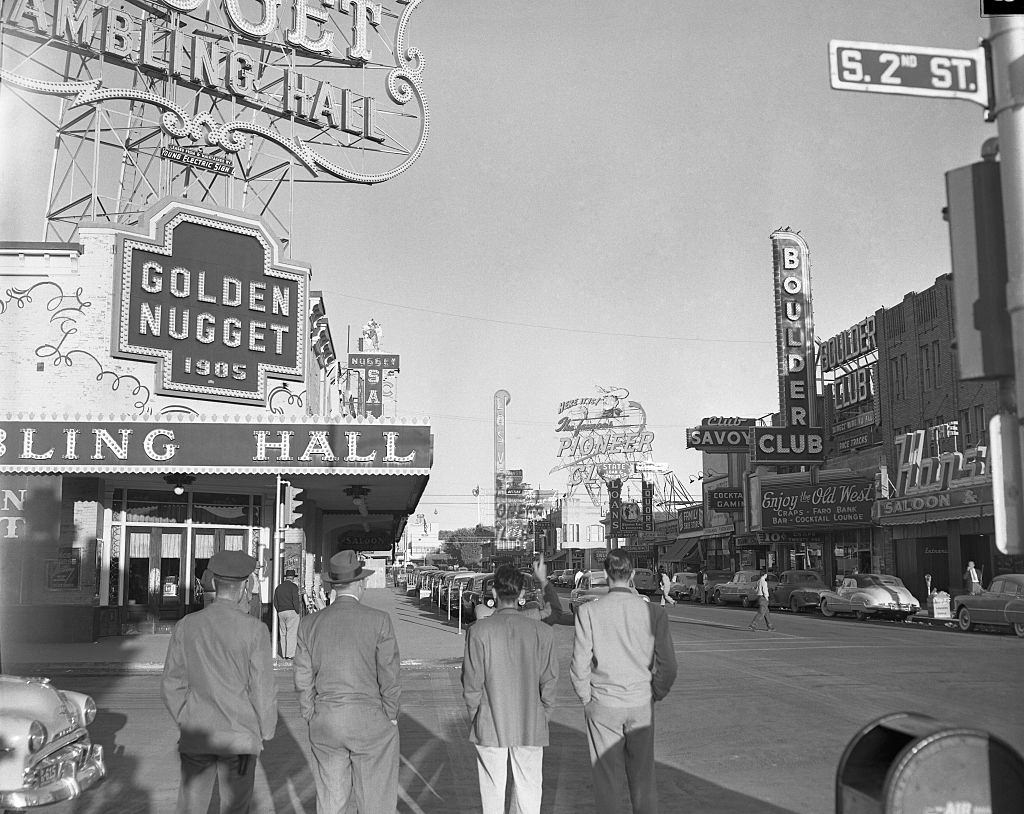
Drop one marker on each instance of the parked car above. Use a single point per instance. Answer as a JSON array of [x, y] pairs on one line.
[[1002, 604], [797, 590], [46, 754], [742, 588], [868, 595], [462, 580], [646, 581], [594, 584], [684, 586], [563, 578]]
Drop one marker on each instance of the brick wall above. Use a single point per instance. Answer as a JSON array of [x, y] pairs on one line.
[[917, 336]]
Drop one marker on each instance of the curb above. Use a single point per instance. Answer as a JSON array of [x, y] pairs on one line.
[[102, 668]]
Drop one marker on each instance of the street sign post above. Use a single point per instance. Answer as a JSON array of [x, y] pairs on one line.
[[910, 70]]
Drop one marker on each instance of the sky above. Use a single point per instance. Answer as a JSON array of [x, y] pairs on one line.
[[594, 205]]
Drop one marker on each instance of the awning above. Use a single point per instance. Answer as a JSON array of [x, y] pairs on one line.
[[684, 551], [235, 445]]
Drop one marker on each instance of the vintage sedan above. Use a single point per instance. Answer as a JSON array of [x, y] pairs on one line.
[[797, 590], [1002, 604], [593, 585], [742, 588], [646, 581], [684, 586], [46, 754], [867, 595]]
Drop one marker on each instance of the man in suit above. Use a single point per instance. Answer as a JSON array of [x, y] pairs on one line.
[[623, 660], [346, 672], [509, 676], [218, 685]]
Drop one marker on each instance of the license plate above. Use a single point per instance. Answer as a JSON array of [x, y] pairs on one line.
[[47, 774]]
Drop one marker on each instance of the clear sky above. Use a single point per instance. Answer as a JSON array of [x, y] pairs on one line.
[[594, 208], [595, 202]]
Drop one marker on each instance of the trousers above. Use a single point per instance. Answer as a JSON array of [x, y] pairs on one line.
[[621, 740], [355, 749], [234, 780], [527, 778], [762, 614], [288, 622]]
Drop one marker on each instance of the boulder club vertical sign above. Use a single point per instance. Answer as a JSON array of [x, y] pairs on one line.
[[206, 296]]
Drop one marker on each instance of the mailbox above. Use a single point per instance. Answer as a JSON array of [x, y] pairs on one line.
[[905, 762]]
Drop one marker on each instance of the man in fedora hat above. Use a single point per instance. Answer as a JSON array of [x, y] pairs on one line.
[[346, 672], [288, 605], [218, 685]]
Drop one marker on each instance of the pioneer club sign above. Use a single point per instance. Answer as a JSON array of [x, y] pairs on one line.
[[206, 296]]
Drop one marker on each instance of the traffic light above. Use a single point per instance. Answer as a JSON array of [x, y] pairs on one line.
[[292, 507], [977, 241]]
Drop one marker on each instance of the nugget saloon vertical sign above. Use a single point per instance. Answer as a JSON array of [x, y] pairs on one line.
[[206, 297]]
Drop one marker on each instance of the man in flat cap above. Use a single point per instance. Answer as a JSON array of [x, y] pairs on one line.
[[218, 685], [346, 672]]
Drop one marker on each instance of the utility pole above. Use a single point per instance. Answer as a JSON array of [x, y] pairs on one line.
[[1006, 39]]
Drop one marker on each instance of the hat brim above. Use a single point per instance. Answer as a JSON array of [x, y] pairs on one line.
[[363, 574]]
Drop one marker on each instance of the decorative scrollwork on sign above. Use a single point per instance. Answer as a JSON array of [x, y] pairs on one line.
[[65, 309], [292, 399]]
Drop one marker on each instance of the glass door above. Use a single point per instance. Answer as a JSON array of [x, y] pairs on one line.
[[154, 570]]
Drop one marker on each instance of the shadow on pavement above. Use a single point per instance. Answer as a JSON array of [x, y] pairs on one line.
[[288, 772], [122, 781]]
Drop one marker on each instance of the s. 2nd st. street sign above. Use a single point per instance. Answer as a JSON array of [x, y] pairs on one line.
[[910, 70]]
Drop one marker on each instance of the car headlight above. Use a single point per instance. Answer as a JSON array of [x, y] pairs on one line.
[[89, 710], [490, 603], [36, 736]]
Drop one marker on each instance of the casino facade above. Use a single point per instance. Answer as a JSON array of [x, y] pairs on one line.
[[172, 391]]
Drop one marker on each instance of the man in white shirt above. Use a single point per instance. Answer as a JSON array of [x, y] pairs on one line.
[[579, 576], [973, 580], [762, 603]]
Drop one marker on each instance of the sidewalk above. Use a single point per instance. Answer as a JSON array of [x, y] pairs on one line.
[[425, 638]]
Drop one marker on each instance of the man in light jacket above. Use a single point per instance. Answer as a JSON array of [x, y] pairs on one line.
[[509, 676], [218, 685], [623, 660]]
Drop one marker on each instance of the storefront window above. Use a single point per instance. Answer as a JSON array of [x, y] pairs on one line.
[[156, 507], [221, 510]]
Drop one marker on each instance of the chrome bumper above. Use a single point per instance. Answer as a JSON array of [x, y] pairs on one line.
[[77, 768]]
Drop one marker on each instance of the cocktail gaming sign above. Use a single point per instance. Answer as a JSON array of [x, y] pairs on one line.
[[275, 69]]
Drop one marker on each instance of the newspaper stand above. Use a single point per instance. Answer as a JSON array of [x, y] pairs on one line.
[[907, 762]]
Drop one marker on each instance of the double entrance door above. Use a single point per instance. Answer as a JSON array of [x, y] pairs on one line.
[[165, 564]]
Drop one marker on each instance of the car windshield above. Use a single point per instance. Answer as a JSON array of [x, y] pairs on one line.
[[598, 580]]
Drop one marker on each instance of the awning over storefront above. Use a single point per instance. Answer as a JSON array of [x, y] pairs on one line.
[[685, 551], [216, 445]]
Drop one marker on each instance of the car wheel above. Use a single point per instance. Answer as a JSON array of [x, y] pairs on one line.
[[718, 598], [826, 610], [1018, 628], [964, 618], [794, 604], [745, 601], [862, 615]]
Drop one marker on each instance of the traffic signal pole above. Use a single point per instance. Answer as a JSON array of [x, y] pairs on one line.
[[1006, 39]]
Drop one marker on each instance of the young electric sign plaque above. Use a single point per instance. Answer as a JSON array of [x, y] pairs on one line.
[[206, 296]]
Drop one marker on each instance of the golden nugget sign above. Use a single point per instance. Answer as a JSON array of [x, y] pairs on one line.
[[206, 296], [250, 65]]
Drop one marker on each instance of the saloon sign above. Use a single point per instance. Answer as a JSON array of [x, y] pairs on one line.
[[826, 505], [206, 296]]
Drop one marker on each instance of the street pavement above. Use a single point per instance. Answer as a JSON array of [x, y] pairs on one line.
[[755, 722]]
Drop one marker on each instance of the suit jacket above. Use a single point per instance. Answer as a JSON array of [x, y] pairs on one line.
[[622, 654], [218, 682], [509, 676], [347, 654]]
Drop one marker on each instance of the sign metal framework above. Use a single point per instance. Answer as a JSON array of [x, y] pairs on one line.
[[308, 92]]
